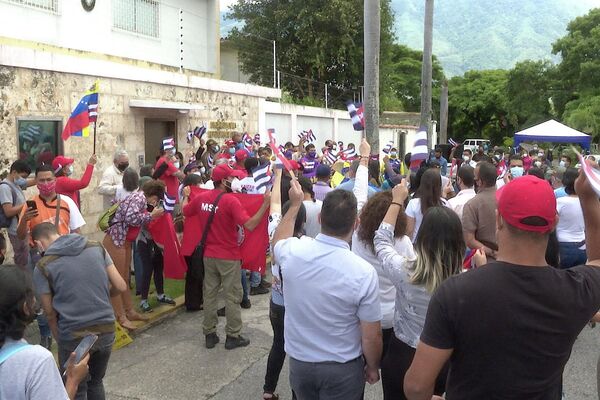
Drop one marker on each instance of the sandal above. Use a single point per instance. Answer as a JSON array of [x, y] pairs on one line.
[[127, 324], [274, 396]]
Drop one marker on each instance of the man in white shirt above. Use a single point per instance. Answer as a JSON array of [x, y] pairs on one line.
[[465, 180], [112, 178], [332, 310]]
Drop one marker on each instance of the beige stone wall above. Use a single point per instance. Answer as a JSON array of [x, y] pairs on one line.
[[32, 93]]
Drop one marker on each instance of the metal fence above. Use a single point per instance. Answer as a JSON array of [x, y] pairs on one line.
[[137, 16], [47, 5]]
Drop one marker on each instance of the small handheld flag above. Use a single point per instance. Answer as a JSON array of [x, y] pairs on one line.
[[388, 147], [257, 139], [84, 113], [349, 154], [453, 142], [248, 142], [168, 144], [592, 174], [331, 156], [277, 151], [308, 136], [262, 177], [420, 150], [357, 112], [169, 203]]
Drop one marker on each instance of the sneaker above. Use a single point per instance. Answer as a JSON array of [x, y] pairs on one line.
[[234, 342], [46, 342], [145, 307], [221, 312], [246, 303], [166, 300], [258, 290], [211, 340]]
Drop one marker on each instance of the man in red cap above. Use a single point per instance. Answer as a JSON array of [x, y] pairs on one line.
[[240, 158], [222, 257], [508, 327], [63, 169]]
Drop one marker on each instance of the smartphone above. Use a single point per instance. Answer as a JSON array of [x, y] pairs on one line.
[[82, 349], [161, 204], [31, 204], [149, 207]]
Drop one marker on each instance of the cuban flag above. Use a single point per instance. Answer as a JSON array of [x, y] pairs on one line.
[[262, 177], [248, 141], [420, 150], [257, 139], [308, 136], [388, 147], [331, 156], [168, 144], [357, 114], [453, 142], [198, 132], [169, 203], [349, 154], [210, 161], [85, 113], [277, 150]]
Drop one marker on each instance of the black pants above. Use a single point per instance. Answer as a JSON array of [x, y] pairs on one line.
[[194, 280], [152, 260], [387, 336], [397, 360], [277, 353]]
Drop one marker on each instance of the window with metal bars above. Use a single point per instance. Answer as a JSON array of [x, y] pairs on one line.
[[138, 16], [48, 5]]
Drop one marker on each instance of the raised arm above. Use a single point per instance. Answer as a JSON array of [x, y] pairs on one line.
[[591, 216], [276, 192], [285, 229], [361, 183]]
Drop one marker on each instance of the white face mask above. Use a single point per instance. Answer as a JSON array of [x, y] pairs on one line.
[[69, 170], [538, 164], [176, 164], [466, 158], [562, 163], [236, 185]]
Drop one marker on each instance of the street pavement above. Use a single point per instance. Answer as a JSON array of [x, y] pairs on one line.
[[169, 361]]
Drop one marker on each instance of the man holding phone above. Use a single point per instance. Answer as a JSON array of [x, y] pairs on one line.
[[76, 279]]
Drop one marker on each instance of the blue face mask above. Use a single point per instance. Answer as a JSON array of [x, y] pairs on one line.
[[232, 150], [21, 182], [516, 172]]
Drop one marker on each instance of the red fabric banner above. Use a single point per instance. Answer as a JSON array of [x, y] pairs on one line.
[[163, 233]]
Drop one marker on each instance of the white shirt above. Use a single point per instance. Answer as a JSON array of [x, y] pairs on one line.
[[248, 185], [387, 290], [570, 228], [313, 208], [413, 210], [111, 179], [76, 220], [458, 202], [121, 193], [327, 292]]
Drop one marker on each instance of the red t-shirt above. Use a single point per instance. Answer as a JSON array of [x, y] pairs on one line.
[[169, 178], [222, 240]]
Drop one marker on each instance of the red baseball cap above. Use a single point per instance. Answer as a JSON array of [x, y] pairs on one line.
[[525, 197], [241, 155], [221, 172], [61, 162]]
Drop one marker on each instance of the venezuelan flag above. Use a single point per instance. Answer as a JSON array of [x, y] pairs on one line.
[[85, 112]]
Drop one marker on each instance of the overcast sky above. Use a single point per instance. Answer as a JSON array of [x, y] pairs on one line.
[[226, 3]]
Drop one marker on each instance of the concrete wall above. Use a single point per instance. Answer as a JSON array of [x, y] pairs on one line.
[[74, 28], [27, 93], [230, 66]]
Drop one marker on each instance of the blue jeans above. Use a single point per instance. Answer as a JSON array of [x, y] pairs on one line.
[[245, 285], [91, 388], [138, 268], [571, 255]]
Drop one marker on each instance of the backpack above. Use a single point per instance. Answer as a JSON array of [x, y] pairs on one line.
[[106, 218], [4, 220]]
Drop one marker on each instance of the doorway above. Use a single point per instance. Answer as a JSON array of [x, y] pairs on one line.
[[154, 132]]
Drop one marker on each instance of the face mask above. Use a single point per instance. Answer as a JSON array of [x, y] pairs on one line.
[[21, 182], [540, 155], [232, 150], [466, 158], [312, 154], [122, 167], [562, 163], [47, 189], [176, 164], [516, 172], [69, 170], [236, 185], [288, 154], [538, 164], [215, 149], [498, 157], [201, 172]]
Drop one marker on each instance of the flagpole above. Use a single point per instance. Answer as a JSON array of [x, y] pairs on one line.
[[95, 123]]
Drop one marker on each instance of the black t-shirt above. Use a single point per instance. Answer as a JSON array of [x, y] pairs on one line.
[[511, 327]]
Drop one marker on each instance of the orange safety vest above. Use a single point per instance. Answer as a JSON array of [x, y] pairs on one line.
[[47, 213]]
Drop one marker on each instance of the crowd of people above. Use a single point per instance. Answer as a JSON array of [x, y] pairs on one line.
[[442, 280]]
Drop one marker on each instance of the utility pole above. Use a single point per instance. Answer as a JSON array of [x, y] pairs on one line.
[[372, 32], [426, 73], [444, 113]]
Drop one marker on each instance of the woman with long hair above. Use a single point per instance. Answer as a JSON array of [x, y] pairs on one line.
[[570, 229], [429, 194], [440, 250], [28, 372], [129, 218], [276, 307]]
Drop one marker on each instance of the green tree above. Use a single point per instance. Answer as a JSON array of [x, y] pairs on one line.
[[404, 76], [528, 90], [477, 105], [317, 40], [584, 115]]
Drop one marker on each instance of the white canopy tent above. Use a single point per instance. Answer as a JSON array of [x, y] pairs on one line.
[[554, 132]]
